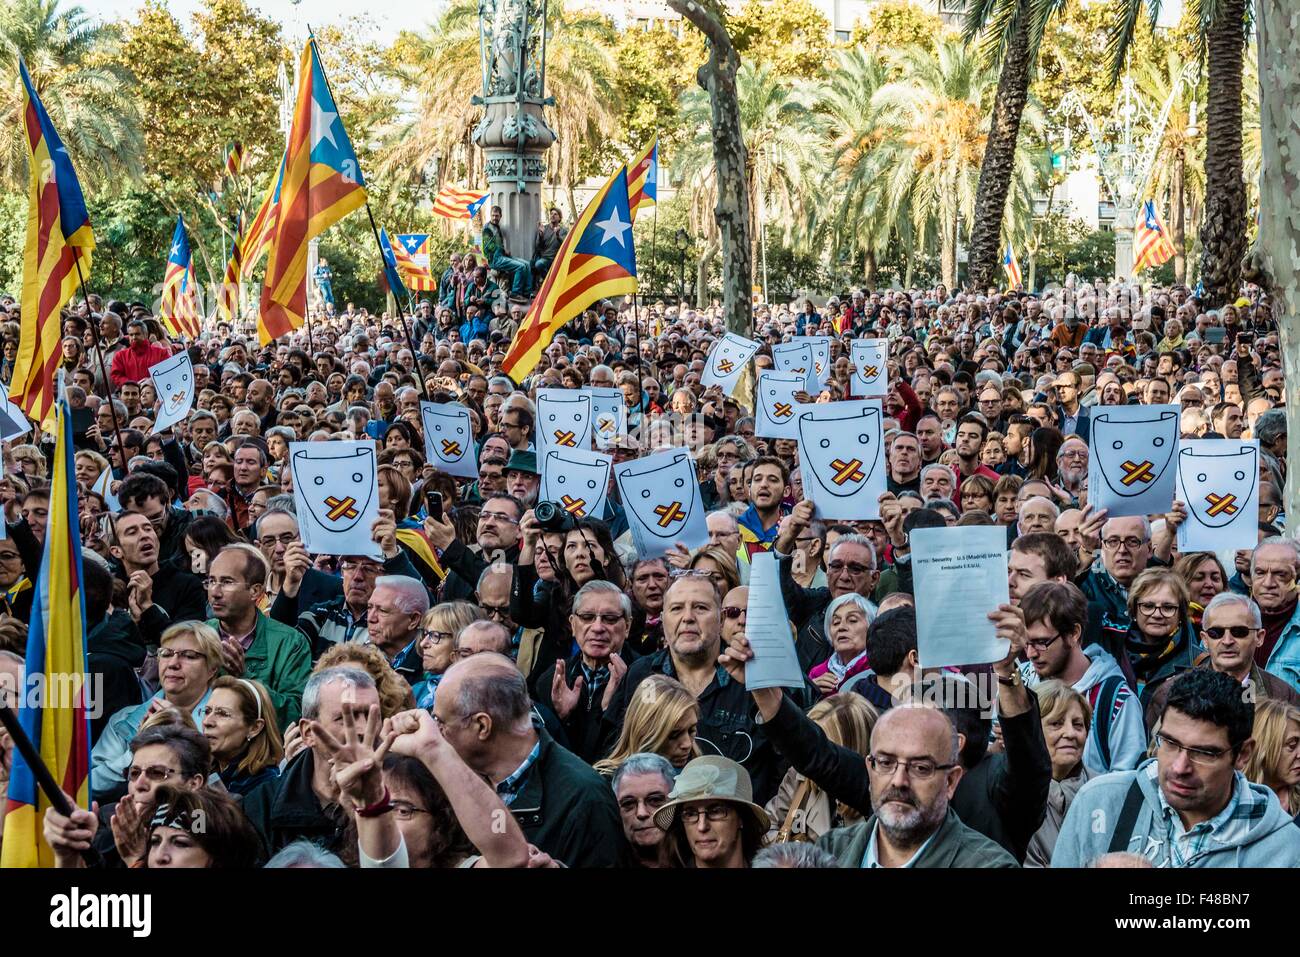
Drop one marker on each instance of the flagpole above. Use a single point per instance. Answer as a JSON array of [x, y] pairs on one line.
[[99, 352], [640, 376]]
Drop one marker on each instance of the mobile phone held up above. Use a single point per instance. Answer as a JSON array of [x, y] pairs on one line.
[[433, 504]]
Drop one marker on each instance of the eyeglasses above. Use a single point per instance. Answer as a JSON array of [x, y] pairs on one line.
[[653, 801], [1202, 756], [734, 611], [1153, 608], [496, 611], [1041, 644], [1132, 543], [437, 637], [370, 569], [184, 654], [156, 773], [223, 583], [919, 768], [497, 517], [1237, 631], [854, 568], [606, 618], [406, 812], [270, 541], [714, 812]]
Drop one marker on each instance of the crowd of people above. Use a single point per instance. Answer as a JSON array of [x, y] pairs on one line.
[[495, 691]]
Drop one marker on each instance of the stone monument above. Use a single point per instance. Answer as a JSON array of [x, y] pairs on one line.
[[513, 133]]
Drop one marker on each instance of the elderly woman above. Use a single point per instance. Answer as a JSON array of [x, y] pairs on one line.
[[1275, 762], [1161, 640], [846, 622], [241, 729], [977, 494], [641, 786], [710, 819], [1066, 717], [441, 624], [189, 659]]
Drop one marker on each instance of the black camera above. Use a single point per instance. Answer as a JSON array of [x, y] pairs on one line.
[[553, 517]]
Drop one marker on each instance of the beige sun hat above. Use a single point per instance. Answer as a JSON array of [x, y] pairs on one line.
[[714, 777]]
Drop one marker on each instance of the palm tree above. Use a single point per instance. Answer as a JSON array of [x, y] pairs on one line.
[[1223, 27], [1013, 33], [1171, 175], [931, 159], [440, 69], [782, 140], [89, 100]]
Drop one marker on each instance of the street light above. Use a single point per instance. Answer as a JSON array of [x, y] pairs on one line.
[[683, 243]]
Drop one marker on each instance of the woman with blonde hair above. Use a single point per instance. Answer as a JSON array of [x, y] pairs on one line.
[[720, 565], [1205, 577], [662, 717], [441, 624], [1066, 717], [241, 729], [802, 811], [394, 693], [1275, 762], [89, 467]]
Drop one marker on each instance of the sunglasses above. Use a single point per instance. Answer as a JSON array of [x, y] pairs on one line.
[[733, 611], [1237, 631]]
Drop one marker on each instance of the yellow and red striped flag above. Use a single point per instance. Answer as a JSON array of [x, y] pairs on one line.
[[179, 309], [228, 297], [234, 159], [261, 228], [55, 721], [321, 184], [643, 179], [1151, 244], [59, 239], [453, 202], [1011, 266]]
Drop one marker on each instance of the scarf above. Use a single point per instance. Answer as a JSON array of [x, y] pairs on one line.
[[840, 669], [1274, 624], [1146, 660]]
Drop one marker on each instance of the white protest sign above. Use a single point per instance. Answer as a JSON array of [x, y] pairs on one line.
[[563, 419], [609, 416], [661, 497], [797, 357], [775, 409], [336, 492], [727, 361], [577, 479], [1131, 470], [104, 486], [870, 367], [821, 356], [173, 380], [13, 421], [767, 628], [449, 438], [1218, 481], [841, 457], [964, 569]]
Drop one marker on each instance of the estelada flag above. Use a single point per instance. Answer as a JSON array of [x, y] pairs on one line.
[[55, 720], [1012, 267], [643, 179], [59, 240], [321, 184], [455, 202], [411, 253], [1151, 239], [178, 309], [596, 259]]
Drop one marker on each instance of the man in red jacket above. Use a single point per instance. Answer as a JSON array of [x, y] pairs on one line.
[[133, 363]]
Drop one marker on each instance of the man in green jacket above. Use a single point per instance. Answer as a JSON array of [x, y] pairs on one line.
[[914, 772], [252, 645]]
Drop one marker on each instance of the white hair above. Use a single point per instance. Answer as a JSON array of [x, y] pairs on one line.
[[411, 596]]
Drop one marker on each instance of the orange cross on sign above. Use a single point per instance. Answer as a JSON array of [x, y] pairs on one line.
[[179, 397], [1137, 472], [1222, 503], [800, 371], [847, 471], [870, 372], [573, 506], [726, 365], [565, 438], [781, 410], [341, 508], [450, 448], [669, 514], [607, 426]]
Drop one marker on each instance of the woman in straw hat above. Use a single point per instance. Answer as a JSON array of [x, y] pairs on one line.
[[711, 819]]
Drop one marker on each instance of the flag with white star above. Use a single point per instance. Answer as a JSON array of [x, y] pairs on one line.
[[596, 260], [643, 179], [179, 309], [321, 183]]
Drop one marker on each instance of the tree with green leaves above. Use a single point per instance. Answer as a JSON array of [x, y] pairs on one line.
[[90, 97], [790, 36], [897, 25]]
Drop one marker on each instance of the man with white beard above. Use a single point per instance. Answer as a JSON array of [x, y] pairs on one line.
[[1072, 464]]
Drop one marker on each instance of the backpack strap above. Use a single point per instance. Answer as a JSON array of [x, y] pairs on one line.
[[1103, 712], [1127, 818]]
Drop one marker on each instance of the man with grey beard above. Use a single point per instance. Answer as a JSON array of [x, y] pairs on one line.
[[914, 771], [1072, 464]]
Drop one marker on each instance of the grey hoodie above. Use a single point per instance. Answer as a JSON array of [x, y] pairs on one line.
[[1259, 834]]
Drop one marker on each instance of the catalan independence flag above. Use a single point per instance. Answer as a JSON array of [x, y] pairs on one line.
[[261, 228], [228, 299], [411, 252], [393, 277], [56, 720], [321, 184], [234, 159], [1151, 243], [455, 202], [596, 259], [179, 310], [643, 179], [59, 238], [1011, 266]]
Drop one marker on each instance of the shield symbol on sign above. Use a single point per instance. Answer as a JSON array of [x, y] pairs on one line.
[[1132, 454], [578, 486], [448, 431], [729, 353], [660, 499], [841, 450], [1216, 487], [337, 488], [564, 420]]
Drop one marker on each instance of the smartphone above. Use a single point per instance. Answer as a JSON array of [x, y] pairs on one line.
[[1215, 335], [82, 420], [433, 504]]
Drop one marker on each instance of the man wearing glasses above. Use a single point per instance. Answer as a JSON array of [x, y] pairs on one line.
[[1125, 552], [1273, 570], [1190, 805], [517, 424], [1056, 623], [497, 541]]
